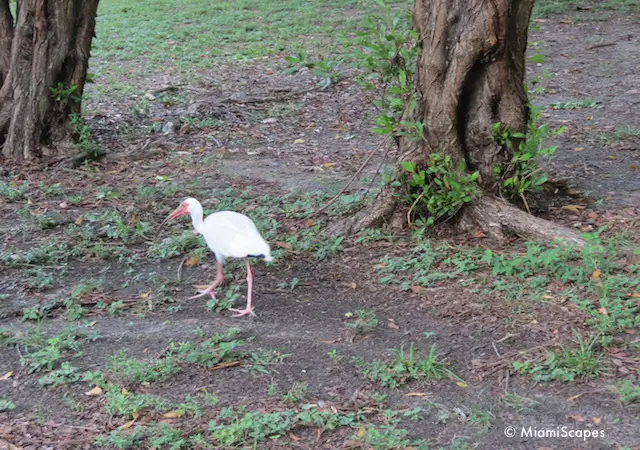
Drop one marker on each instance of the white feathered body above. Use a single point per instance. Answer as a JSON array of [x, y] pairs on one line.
[[232, 235]]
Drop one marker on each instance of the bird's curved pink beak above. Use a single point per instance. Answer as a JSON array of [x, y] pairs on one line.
[[183, 209]]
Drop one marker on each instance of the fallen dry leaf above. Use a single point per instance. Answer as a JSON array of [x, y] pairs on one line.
[[128, 425], [6, 376], [392, 324], [174, 413], [417, 394], [603, 311], [462, 384], [325, 341], [596, 275], [596, 420], [577, 418], [299, 141], [572, 208], [194, 260], [94, 392], [575, 397], [353, 285], [293, 437], [226, 365]]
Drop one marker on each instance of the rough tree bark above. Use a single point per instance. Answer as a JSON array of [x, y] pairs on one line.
[[470, 74], [47, 43]]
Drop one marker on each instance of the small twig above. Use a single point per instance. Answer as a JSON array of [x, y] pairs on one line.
[[413, 205], [526, 205], [606, 44], [346, 186], [506, 380], [495, 349], [508, 336], [167, 88]]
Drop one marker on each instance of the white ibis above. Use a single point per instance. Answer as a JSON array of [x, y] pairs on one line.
[[229, 235]]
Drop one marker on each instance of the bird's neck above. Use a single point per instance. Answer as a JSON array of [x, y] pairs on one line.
[[196, 219]]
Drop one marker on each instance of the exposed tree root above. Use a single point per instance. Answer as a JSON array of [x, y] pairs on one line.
[[489, 214], [497, 218]]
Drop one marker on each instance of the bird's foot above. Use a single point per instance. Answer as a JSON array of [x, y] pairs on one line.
[[202, 292], [242, 312]]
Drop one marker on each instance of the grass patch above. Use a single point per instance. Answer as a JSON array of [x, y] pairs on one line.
[[41, 353], [589, 277], [567, 364], [189, 38], [6, 405], [406, 366], [629, 392], [214, 350], [132, 371], [13, 192], [575, 104], [363, 320], [386, 436]]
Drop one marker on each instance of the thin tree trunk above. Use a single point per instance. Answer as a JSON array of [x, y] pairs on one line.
[[50, 45], [6, 35], [470, 75]]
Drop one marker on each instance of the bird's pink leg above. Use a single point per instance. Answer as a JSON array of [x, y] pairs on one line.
[[210, 290], [247, 309]]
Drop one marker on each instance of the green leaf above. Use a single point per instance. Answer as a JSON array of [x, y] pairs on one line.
[[540, 180], [408, 166]]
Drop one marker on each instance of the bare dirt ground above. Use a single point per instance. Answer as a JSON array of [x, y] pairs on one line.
[[315, 141], [597, 61]]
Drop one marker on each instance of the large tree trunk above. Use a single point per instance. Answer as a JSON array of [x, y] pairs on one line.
[[46, 46], [470, 75]]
